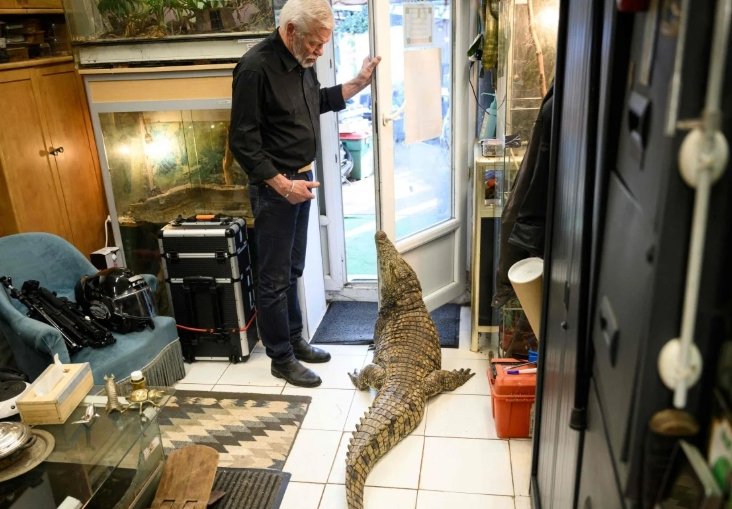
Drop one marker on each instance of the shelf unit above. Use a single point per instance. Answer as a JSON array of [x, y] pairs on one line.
[[48, 12], [523, 72], [36, 62], [486, 212], [37, 6], [29, 10]]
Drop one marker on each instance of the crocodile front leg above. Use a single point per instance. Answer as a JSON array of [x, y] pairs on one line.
[[442, 380], [372, 375]]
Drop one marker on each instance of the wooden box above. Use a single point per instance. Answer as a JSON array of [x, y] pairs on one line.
[[56, 405]]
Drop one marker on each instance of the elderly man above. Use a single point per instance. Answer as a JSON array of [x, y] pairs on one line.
[[275, 123]]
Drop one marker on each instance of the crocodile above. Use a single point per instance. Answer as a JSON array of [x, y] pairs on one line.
[[405, 369]]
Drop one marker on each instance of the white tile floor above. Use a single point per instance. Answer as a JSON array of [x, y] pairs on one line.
[[453, 459]]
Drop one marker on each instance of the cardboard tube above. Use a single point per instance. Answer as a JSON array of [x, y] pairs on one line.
[[526, 279]]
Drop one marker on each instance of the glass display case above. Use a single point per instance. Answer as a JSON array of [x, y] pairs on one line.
[[26, 37], [526, 51], [130, 33], [526, 60], [115, 20], [167, 163], [515, 334], [164, 163], [487, 201], [162, 140]]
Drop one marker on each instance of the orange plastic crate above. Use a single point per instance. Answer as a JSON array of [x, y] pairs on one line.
[[513, 398]]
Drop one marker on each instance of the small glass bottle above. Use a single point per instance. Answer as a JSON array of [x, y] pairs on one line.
[[56, 40], [137, 380]]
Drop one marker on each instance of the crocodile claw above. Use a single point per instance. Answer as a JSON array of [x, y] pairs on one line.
[[354, 377], [465, 373]]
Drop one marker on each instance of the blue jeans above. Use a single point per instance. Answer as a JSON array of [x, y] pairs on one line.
[[280, 233]]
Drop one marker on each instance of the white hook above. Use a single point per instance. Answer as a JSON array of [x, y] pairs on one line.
[[702, 160]]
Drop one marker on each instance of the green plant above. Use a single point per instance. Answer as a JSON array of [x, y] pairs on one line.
[[509, 313], [118, 8], [202, 5], [208, 167], [133, 18], [117, 12], [157, 8]]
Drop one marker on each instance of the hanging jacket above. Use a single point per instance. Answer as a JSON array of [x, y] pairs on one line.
[[523, 220]]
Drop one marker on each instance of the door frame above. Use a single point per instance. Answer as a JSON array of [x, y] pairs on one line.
[[454, 230]]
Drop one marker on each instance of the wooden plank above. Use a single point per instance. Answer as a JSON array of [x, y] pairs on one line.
[[160, 89], [36, 62], [15, 12], [164, 68], [188, 476]]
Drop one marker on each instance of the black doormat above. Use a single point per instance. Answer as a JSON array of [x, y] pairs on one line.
[[352, 323], [253, 488]]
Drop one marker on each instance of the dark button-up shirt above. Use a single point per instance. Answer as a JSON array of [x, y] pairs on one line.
[[275, 110]]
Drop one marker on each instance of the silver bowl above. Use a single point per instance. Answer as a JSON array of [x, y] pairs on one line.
[[13, 437]]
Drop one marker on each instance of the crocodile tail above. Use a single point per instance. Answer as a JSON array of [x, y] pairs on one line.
[[355, 482], [390, 419]]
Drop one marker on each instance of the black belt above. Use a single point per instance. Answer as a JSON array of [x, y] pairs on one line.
[[290, 174]]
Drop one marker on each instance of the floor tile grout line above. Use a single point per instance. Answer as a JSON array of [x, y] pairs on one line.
[[222, 374], [335, 457], [421, 456], [343, 432]]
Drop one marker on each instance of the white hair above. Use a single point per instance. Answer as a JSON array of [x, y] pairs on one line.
[[307, 15]]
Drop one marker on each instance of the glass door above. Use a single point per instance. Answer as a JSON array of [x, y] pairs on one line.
[[352, 42], [397, 140]]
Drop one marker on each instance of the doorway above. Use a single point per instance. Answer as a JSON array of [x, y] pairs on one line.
[[396, 140]]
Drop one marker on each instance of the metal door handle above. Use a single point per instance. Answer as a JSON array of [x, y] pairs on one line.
[[56, 151], [391, 117]]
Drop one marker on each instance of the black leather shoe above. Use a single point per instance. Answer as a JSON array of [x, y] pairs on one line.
[[296, 374], [305, 352]]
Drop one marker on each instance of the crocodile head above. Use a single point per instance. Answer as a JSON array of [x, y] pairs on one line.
[[397, 279]]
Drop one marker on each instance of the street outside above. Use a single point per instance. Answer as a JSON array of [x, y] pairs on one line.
[[423, 192]]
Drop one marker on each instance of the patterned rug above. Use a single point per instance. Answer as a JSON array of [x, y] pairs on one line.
[[248, 430]]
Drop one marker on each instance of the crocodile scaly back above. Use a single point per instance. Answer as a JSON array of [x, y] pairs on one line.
[[405, 370]]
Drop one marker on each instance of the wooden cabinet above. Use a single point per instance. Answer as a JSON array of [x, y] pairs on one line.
[[49, 171]]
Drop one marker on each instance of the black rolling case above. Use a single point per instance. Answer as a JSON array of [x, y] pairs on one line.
[[210, 286]]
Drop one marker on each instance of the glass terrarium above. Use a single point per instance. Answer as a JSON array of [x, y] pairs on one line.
[[163, 164], [527, 33], [527, 55], [115, 20], [516, 338], [526, 59]]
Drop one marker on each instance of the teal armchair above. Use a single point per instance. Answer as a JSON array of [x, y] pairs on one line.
[[58, 266]]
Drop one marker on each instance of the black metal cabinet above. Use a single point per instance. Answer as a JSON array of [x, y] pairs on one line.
[[616, 265]]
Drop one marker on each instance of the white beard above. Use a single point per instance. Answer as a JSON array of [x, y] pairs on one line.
[[299, 53]]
